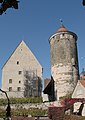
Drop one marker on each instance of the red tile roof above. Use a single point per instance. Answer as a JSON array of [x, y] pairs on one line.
[[62, 29]]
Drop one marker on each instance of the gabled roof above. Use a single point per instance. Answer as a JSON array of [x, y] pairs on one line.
[[50, 86], [82, 82], [77, 93], [46, 82], [22, 42], [12, 54]]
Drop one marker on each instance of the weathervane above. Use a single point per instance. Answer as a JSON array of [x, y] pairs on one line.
[[61, 21]]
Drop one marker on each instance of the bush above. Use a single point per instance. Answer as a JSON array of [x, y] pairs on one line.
[[2, 113], [24, 112], [22, 100]]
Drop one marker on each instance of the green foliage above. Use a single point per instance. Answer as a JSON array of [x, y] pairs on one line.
[[3, 101], [22, 112], [21, 100], [2, 113], [37, 112], [25, 112]]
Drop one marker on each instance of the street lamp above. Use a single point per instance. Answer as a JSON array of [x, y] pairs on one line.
[[8, 109]]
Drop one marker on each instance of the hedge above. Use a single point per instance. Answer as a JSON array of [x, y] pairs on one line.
[[24, 112], [22, 100]]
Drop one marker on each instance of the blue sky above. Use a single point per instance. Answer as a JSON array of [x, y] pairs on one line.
[[34, 22]]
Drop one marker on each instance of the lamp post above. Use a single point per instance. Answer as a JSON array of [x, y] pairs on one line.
[[8, 109]]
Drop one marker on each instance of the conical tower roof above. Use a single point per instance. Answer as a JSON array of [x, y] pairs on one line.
[[62, 29]]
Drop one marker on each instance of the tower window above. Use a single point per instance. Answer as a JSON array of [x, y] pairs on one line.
[[53, 36], [18, 88], [73, 36], [63, 34], [17, 62], [10, 88], [20, 72], [10, 80]]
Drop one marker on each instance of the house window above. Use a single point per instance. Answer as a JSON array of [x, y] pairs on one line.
[[10, 80], [20, 72], [19, 81], [18, 88], [17, 62], [10, 88]]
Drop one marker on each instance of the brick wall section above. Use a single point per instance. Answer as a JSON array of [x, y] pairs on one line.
[[56, 113]]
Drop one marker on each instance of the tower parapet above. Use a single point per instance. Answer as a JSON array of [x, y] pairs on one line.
[[64, 61]]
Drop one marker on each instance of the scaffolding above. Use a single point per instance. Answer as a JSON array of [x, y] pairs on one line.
[[32, 84]]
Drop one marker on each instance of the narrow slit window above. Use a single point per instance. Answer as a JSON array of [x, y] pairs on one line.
[[18, 88], [17, 62]]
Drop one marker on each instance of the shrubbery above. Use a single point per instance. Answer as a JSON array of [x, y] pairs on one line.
[[33, 112], [2, 113], [24, 112], [21, 100]]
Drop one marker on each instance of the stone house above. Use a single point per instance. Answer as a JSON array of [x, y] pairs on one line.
[[22, 73], [79, 92]]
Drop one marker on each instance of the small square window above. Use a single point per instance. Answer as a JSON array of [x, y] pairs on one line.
[[20, 72], [10, 88], [18, 88], [10, 80]]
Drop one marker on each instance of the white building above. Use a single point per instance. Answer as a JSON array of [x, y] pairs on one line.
[[79, 92], [13, 78]]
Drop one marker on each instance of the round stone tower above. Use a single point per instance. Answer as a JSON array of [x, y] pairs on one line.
[[64, 61]]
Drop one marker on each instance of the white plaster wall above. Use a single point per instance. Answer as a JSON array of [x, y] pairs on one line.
[[27, 61], [64, 83]]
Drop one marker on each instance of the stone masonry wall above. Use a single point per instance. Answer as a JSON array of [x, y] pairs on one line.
[[64, 62]]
